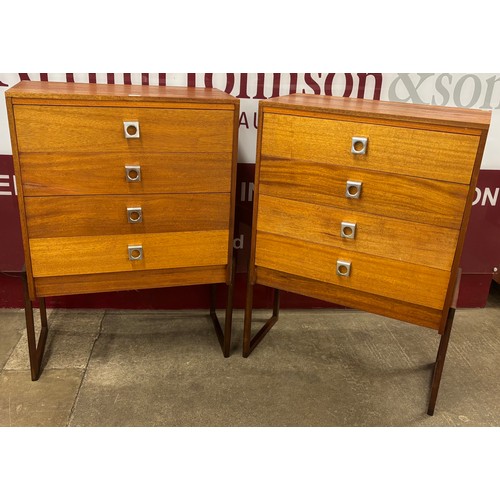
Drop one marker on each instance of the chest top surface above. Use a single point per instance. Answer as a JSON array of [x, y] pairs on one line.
[[110, 92], [364, 108]]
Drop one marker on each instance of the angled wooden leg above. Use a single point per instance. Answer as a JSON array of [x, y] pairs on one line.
[[249, 343], [247, 324], [223, 337], [441, 356], [35, 350]]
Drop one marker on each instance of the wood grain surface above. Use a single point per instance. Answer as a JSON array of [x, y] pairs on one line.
[[421, 244], [399, 196], [423, 114], [47, 174], [100, 92], [105, 254], [389, 278], [136, 280], [70, 155], [421, 153], [20, 199], [59, 216], [393, 308], [69, 129]]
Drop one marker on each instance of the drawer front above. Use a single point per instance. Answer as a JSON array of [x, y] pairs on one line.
[[107, 254], [349, 230], [59, 216], [46, 174], [398, 196], [72, 129], [425, 286], [422, 153], [398, 309]]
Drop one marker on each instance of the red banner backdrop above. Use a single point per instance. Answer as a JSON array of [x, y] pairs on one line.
[[480, 259], [481, 254]]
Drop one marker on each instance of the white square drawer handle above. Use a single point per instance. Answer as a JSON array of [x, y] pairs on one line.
[[343, 268], [131, 130], [359, 145], [348, 230], [133, 173], [135, 252], [353, 189], [134, 215]]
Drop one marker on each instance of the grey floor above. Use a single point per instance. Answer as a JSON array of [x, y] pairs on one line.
[[326, 367]]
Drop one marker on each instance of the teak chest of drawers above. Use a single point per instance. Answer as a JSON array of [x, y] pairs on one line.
[[364, 204], [123, 187]]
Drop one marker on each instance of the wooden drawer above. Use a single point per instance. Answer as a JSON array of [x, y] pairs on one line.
[[59, 216], [45, 174], [385, 237], [410, 198], [106, 254], [408, 151], [385, 277], [72, 129], [398, 309]]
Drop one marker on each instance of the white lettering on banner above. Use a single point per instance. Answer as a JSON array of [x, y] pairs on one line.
[[487, 197], [247, 195], [4, 185], [443, 89]]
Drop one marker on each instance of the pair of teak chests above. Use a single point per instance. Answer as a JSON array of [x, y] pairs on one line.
[[357, 202]]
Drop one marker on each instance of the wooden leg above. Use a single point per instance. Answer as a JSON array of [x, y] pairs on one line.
[[249, 343], [441, 356], [223, 337], [35, 349], [247, 324]]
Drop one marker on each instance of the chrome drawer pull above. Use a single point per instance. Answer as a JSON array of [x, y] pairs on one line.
[[131, 130], [353, 189], [348, 230], [135, 252], [134, 215], [343, 268], [359, 145], [133, 173]]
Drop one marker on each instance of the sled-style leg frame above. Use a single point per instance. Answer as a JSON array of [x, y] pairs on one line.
[[35, 349], [224, 337], [249, 342]]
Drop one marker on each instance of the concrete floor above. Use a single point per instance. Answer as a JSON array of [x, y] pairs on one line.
[[325, 367]]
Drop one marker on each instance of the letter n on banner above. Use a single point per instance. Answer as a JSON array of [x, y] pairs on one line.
[[11, 249]]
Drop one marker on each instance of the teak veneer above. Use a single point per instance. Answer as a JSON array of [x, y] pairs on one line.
[[123, 187], [364, 204]]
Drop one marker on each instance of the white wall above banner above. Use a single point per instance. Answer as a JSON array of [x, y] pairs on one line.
[[468, 90]]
